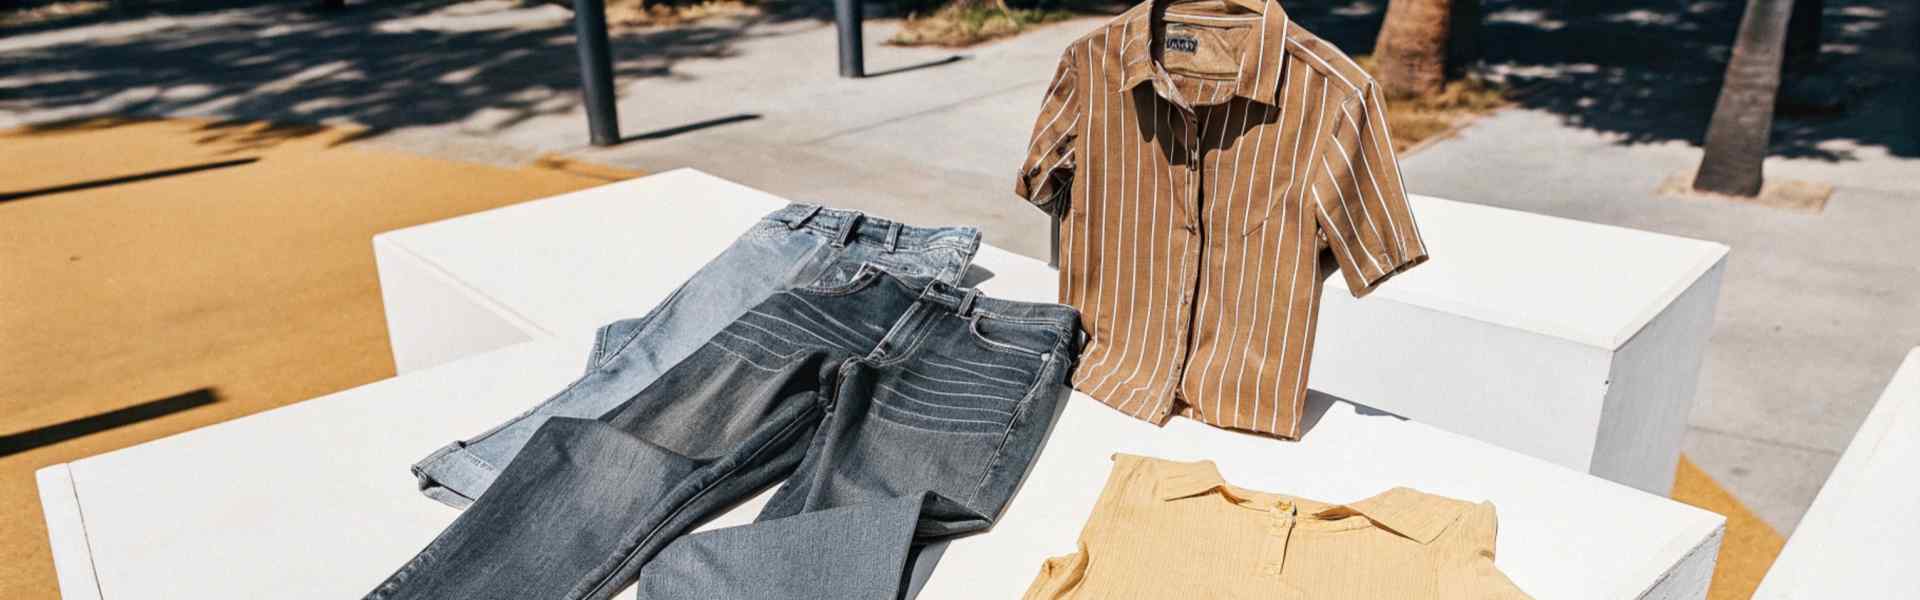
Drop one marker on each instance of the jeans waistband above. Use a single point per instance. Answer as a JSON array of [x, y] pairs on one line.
[[969, 302], [852, 226]]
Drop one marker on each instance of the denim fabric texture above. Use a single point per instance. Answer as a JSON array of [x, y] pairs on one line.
[[896, 410], [798, 245]]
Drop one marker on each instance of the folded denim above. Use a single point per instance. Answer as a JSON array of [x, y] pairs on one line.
[[797, 245], [897, 411]]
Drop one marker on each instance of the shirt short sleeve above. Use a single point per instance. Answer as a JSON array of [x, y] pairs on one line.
[[1360, 200], [1047, 172], [1468, 572]]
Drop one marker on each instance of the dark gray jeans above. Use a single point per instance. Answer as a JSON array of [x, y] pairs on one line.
[[896, 410], [797, 245]]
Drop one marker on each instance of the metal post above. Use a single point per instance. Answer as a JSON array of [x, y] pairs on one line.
[[847, 19], [596, 70]]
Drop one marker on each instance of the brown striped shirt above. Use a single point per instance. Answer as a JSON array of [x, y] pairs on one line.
[[1206, 160]]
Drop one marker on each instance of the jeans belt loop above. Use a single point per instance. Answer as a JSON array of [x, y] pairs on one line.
[[893, 237], [804, 217], [846, 231], [966, 302]]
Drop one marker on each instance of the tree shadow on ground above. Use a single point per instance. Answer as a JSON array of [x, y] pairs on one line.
[[1645, 71], [1649, 71], [482, 65]]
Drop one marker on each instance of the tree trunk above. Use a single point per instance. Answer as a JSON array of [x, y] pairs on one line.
[[1743, 118], [1411, 53]]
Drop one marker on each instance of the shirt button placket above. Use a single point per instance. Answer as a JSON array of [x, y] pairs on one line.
[[1193, 168], [1273, 552], [1192, 139]]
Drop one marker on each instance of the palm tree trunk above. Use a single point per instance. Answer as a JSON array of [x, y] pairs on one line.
[[1411, 53], [1737, 136]]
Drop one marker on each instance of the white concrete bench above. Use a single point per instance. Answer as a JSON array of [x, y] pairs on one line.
[[1862, 534], [314, 500], [1568, 341]]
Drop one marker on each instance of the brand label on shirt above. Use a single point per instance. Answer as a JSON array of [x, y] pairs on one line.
[[1195, 50], [1183, 43]]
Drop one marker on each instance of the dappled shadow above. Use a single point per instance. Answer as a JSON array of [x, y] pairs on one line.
[[1646, 71], [481, 65], [1649, 71]]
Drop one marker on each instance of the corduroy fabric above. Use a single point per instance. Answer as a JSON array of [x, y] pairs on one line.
[[1164, 529], [1201, 189]]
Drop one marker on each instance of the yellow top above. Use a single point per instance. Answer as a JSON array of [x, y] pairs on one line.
[[1166, 529]]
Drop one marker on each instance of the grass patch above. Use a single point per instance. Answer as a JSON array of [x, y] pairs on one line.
[[51, 11], [968, 22], [638, 13], [1416, 120]]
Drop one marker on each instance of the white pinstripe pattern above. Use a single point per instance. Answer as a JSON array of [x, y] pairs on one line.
[[1141, 162], [1164, 339], [1293, 278], [1210, 278], [1240, 288], [1246, 166], [1101, 298], [1272, 172], [1098, 272]]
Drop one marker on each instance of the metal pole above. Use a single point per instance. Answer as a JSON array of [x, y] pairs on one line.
[[596, 70], [847, 19]]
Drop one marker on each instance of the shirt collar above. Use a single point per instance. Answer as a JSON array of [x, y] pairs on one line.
[[1261, 58], [1413, 514], [1187, 479], [1410, 513]]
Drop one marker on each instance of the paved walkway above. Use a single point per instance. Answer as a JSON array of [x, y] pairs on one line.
[[1815, 310]]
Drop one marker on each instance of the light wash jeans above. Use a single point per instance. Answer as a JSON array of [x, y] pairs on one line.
[[797, 245]]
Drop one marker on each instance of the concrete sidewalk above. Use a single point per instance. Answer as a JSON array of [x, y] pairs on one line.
[[935, 144], [933, 134]]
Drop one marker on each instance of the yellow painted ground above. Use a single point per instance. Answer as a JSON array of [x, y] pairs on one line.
[[1750, 545], [251, 284], [254, 285]]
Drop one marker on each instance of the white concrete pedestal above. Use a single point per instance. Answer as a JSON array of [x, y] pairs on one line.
[[1568, 341], [1862, 533], [1565, 340]]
